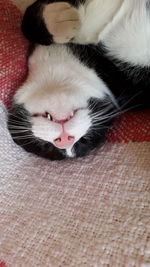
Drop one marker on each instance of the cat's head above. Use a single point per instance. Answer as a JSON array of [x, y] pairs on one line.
[[63, 109], [74, 136]]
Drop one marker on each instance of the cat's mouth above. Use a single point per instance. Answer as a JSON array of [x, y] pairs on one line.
[[60, 120], [64, 140]]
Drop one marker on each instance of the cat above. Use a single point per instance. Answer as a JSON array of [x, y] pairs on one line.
[[90, 62]]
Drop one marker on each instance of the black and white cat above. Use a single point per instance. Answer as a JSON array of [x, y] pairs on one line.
[[91, 60]]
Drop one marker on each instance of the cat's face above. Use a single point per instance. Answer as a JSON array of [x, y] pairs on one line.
[[61, 110]]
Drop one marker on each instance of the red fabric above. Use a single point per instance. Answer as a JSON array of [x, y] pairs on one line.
[[13, 51], [132, 126]]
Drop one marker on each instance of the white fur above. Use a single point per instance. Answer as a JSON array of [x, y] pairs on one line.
[[70, 152], [59, 84], [49, 130], [57, 77], [128, 36], [94, 17], [45, 129], [122, 25]]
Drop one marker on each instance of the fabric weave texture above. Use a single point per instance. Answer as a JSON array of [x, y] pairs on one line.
[[89, 212]]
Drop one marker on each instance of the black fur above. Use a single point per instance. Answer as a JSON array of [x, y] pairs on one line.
[[33, 26], [130, 85], [74, 3], [97, 134]]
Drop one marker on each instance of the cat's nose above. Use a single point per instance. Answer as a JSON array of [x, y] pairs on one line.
[[64, 141]]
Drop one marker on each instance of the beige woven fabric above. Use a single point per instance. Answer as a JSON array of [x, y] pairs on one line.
[[89, 212]]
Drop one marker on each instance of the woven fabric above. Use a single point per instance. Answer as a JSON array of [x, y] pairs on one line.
[[131, 127], [13, 51], [91, 212]]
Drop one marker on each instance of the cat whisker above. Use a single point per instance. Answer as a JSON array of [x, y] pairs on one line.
[[28, 143], [17, 127], [14, 122], [23, 137], [20, 131], [12, 115]]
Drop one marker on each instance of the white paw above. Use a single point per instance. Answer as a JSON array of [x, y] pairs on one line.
[[62, 21]]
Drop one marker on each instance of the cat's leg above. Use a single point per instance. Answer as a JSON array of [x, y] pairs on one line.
[[52, 21], [62, 21], [48, 21], [81, 20]]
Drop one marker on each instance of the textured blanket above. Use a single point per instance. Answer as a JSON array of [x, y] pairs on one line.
[[87, 212]]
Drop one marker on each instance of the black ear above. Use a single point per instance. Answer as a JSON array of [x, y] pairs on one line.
[[33, 26]]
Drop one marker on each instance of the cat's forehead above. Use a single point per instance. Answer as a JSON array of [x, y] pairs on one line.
[[56, 103], [59, 83], [57, 99]]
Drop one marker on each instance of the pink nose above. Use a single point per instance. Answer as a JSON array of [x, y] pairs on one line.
[[64, 140]]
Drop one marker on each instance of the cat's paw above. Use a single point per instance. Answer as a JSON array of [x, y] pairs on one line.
[[62, 21]]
